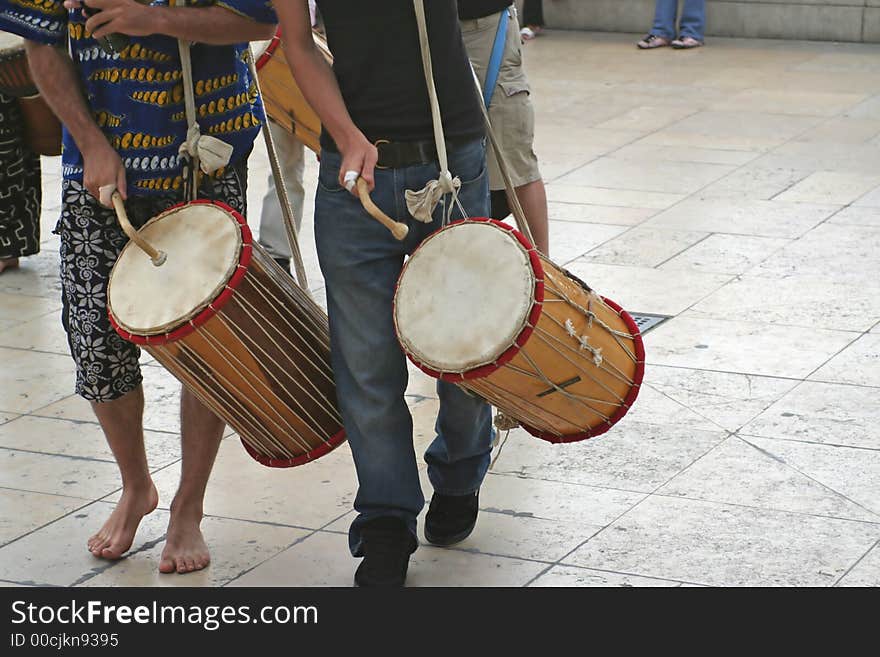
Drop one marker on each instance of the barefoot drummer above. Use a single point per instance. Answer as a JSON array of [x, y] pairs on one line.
[[125, 131]]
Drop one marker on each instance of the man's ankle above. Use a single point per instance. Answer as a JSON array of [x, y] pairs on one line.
[[137, 485], [185, 509]]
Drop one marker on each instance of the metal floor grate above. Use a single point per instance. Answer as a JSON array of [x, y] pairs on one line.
[[646, 321]]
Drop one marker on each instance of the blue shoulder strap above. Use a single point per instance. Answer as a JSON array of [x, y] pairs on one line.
[[495, 60]]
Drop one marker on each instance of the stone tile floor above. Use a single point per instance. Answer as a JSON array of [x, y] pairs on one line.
[[735, 188]]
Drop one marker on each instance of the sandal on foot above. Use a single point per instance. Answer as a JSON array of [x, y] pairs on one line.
[[653, 41], [682, 43]]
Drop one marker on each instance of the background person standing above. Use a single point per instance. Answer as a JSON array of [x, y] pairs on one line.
[[533, 18], [692, 26], [510, 106]]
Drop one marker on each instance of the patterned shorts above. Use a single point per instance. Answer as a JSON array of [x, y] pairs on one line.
[[91, 240]]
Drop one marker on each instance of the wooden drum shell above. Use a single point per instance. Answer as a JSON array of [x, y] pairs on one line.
[[15, 75], [42, 129], [282, 96], [259, 358], [612, 389], [573, 370]]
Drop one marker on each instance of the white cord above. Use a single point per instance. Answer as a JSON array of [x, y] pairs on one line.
[[445, 181]]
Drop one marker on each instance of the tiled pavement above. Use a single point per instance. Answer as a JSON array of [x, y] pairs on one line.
[[735, 188]]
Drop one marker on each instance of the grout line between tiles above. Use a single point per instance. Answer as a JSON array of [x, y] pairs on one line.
[[856, 563], [782, 461]]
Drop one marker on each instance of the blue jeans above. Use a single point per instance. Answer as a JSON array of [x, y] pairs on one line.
[[693, 19], [361, 262]]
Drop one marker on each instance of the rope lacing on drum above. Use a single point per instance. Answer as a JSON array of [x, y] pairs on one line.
[[504, 422], [589, 313], [602, 377], [584, 342]]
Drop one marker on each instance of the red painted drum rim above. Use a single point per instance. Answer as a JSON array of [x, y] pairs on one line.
[[335, 441], [269, 52]]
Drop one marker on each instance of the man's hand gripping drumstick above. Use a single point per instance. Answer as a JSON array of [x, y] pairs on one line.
[[352, 180], [109, 195]]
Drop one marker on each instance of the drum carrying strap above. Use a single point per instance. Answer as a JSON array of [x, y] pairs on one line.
[[486, 94], [209, 153], [199, 152], [512, 199], [424, 201], [421, 203], [497, 56]]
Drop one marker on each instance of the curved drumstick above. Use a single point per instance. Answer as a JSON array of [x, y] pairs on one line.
[[398, 229], [157, 257]]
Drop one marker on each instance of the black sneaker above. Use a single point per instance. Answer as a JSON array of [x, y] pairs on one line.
[[451, 518], [387, 546]]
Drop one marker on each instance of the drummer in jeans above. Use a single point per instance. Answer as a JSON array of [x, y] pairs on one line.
[[124, 121], [375, 94]]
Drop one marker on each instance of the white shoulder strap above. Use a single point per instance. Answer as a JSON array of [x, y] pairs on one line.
[[421, 204], [205, 152]]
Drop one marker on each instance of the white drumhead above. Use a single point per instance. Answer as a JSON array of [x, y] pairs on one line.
[[203, 245], [10, 41], [464, 297]]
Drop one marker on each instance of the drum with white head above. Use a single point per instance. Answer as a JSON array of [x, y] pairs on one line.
[[477, 305], [224, 319]]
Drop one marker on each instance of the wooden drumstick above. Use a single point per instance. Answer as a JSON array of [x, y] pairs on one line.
[[158, 257], [398, 229]]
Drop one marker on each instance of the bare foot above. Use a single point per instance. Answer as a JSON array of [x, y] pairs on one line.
[[8, 263], [185, 548], [117, 534]]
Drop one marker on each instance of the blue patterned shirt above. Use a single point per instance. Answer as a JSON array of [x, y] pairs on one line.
[[136, 96]]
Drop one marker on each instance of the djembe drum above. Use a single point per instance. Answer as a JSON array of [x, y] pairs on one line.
[[477, 305], [227, 322]]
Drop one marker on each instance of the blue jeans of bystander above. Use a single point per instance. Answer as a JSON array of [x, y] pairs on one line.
[[693, 19]]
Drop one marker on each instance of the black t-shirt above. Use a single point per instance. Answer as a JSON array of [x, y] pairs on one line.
[[378, 64], [468, 9]]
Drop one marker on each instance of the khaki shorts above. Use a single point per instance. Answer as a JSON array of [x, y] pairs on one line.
[[511, 111]]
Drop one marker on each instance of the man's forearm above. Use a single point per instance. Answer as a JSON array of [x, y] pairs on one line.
[[56, 78], [319, 86], [212, 25], [312, 73]]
